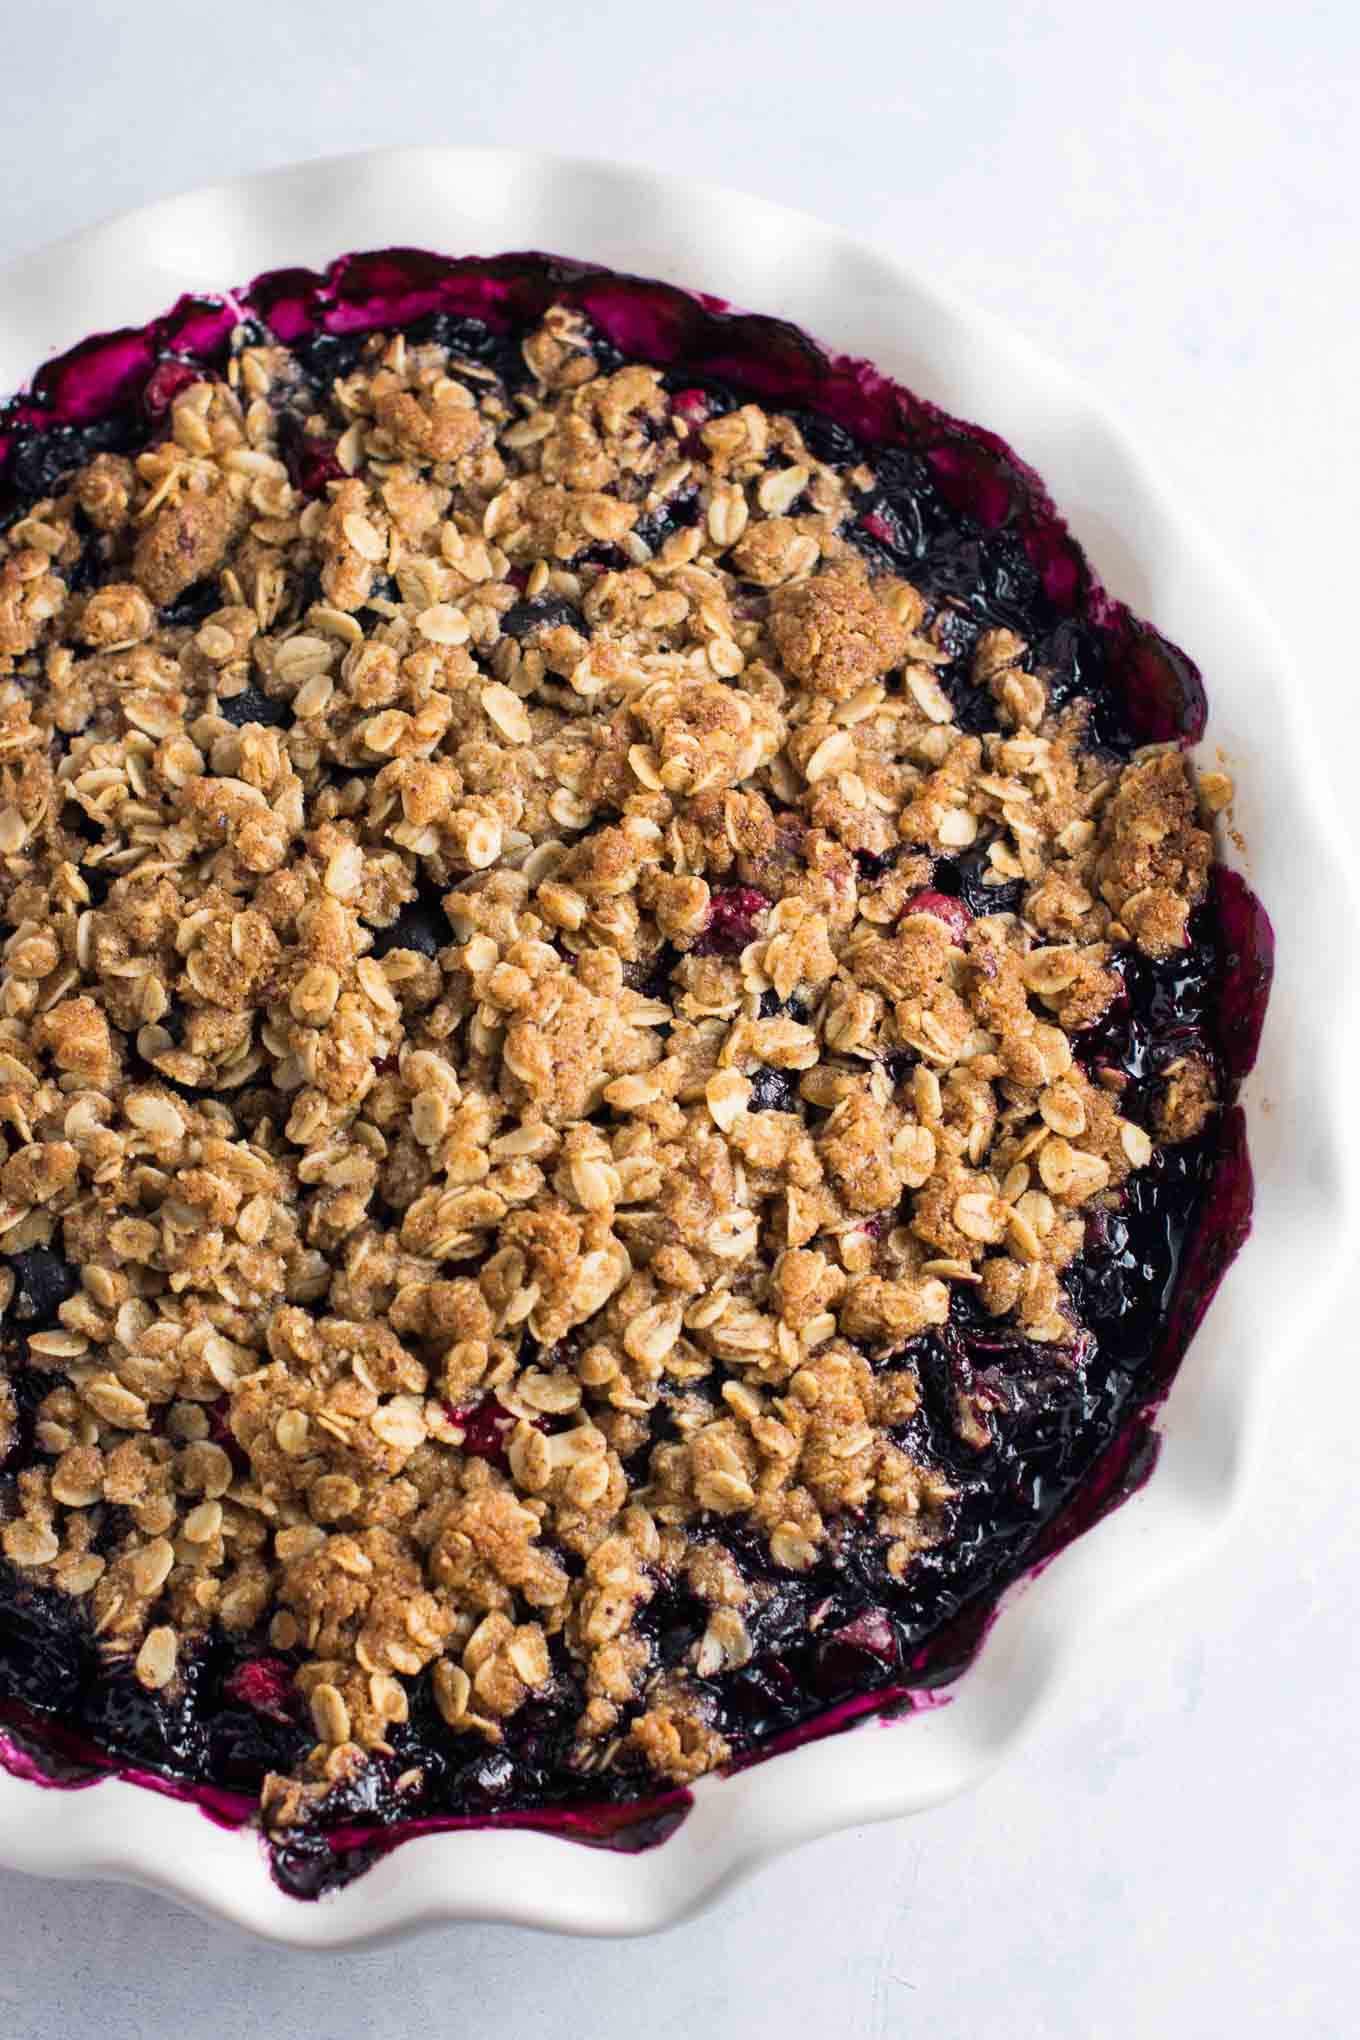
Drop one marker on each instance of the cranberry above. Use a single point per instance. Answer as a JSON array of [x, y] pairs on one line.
[[955, 915], [312, 463], [692, 406], [164, 384], [264, 1684], [486, 1427], [871, 1630], [878, 527], [731, 921], [221, 1433]]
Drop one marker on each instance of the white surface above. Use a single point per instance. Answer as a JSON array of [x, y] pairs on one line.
[[1173, 1850]]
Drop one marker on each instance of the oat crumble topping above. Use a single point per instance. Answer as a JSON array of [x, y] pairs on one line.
[[476, 986]]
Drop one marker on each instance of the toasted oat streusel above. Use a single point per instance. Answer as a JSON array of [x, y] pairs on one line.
[[478, 1019]]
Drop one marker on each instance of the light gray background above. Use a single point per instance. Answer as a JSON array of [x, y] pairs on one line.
[[1165, 195]]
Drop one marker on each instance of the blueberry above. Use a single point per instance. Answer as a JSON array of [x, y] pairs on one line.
[[1099, 1291], [961, 878], [762, 1697], [1160, 690], [540, 612], [857, 1655], [44, 459], [674, 1620], [43, 1654], [826, 441], [1076, 663], [82, 824], [304, 1865], [89, 567], [472, 338], [888, 532], [654, 527], [253, 705], [773, 1091], [42, 1282], [489, 1781], [990, 574], [652, 980], [326, 357], [956, 632], [906, 480], [469, 339], [612, 558], [190, 609], [421, 925]]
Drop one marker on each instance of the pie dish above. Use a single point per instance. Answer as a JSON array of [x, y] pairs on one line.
[[774, 1163]]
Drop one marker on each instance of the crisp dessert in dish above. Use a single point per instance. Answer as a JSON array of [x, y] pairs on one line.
[[618, 1024]]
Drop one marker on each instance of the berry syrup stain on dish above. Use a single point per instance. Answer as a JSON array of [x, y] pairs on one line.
[[961, 1364]]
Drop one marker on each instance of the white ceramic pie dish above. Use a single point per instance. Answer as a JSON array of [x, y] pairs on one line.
[[1299, 1101]]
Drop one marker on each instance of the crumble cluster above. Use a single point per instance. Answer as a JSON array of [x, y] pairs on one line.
[[394, 1234]]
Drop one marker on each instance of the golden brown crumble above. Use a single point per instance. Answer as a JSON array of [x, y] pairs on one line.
[[327, 1199]]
